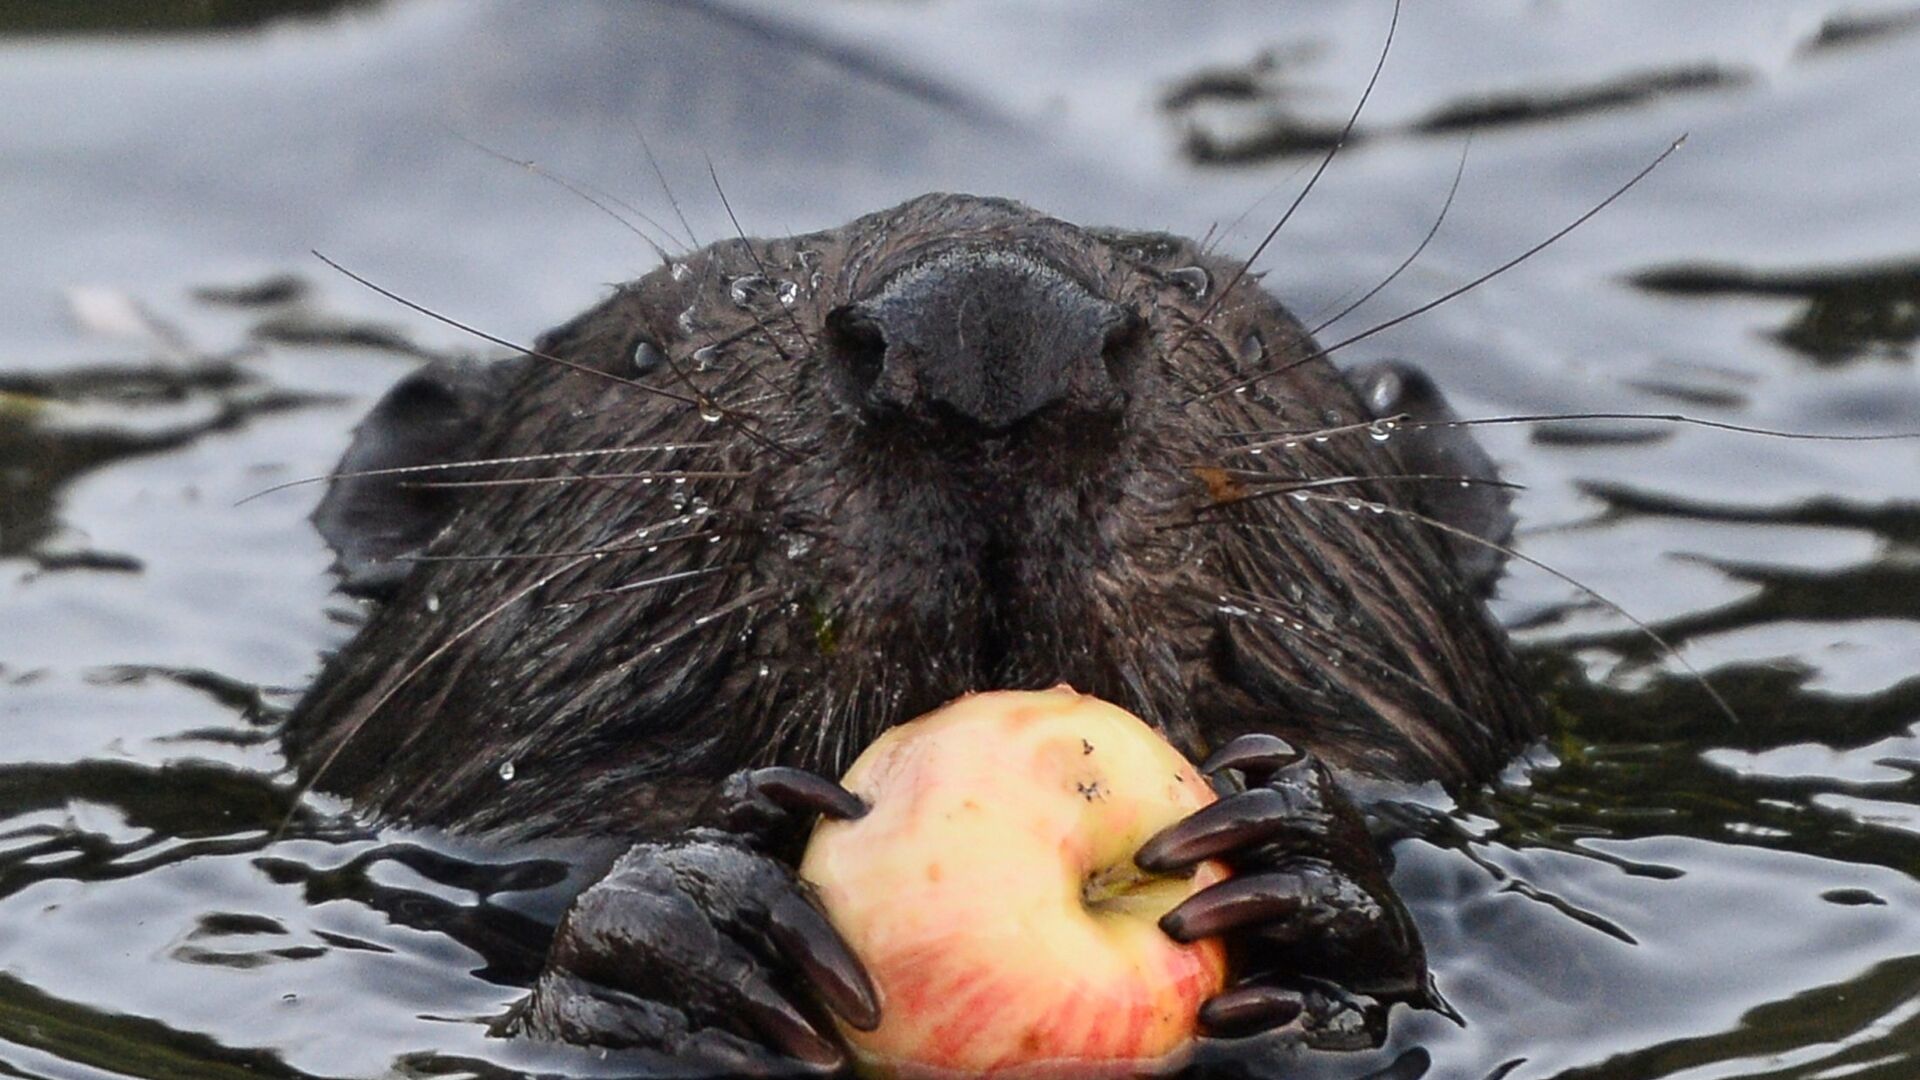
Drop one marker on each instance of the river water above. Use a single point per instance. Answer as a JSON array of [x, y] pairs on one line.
[[1662, 892]]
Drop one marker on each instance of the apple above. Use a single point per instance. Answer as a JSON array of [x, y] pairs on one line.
[[991, 892]]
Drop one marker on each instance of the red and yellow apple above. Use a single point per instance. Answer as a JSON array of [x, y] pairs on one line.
[[991, 892]]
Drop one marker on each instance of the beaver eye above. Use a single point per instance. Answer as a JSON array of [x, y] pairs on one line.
[[648, 357]]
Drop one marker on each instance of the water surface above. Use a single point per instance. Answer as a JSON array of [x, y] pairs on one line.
[[1665, 893]]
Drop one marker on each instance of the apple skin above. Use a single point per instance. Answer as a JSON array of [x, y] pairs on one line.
[[991, 892]]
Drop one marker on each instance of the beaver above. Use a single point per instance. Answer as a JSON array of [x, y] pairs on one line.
[[660, 575]]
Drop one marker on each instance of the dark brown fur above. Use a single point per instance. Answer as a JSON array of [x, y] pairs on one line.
[[857, 574]]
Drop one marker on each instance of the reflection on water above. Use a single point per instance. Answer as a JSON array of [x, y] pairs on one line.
[[1665, 891], [1844, 314], [128, 17]]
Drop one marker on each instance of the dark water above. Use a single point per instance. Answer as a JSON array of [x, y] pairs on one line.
[[1664, 894]]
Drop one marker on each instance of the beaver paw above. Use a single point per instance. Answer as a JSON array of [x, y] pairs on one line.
[[706, 949], [771, 807], [1318, 939]]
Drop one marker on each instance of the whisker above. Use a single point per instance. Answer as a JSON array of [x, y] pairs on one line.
[[1403, 422], [1294, 621], [500, 341], [412, 672], [1671, 418], [1326, 160], [473, 463], [1257, 377], [710, 408], [1217, 234], [1276, 487], [526, 481], [695, 402], [646, 583], [1666, 648], [538, 556], [759, 265], [693, 239], [1440, 219], [1288, 438], [599, 199]]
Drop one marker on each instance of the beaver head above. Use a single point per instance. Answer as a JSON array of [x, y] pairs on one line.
[[828, 482]]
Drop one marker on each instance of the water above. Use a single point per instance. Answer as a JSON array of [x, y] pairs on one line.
[[1664, 893]]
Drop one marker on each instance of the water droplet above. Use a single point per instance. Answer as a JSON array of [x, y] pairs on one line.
[[1256, 451], [1290, 444], [706, 357], [1321, 438], [680, 481], [1334, 416], [789, 294], [1233, 611], [651, 548], [1466, 483], [1240, 391], [710, 413], [748, 289], [433, 602], [1378, 508], [1253, 349], [765, 670], [648, 358], [1352, 503], [713, 539], [1193, 280], [506, 770], [1380, 430], [1298, 496]]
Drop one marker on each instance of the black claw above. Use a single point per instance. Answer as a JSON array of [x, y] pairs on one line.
[[805, 938], [777, 1020], [1249, 1009], [1234, 903], [1255, 754], [1252, 817], [803, 792]]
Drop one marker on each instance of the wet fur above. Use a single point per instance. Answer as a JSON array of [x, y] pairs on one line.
[[873, 571]]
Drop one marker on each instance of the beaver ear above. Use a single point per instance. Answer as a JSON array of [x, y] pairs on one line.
[[431, 417], [1394, 387]]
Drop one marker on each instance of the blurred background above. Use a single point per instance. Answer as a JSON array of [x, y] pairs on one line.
[[1663, 893]]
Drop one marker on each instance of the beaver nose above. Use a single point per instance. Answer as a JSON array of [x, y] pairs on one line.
[[984, 338]]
